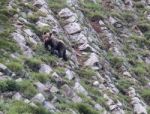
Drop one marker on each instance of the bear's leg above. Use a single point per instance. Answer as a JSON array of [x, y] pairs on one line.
[[60, 53], [64, 55], [52, 50]]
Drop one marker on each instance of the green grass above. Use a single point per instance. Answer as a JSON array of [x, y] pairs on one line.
[[33, 63], [86, 109], [91, 9], [19, 107], [57, 5], [145, 93], [27, 88], [86, 72], [123, 85], [8, 85], [115, 61], [15, 66], [40, 77]]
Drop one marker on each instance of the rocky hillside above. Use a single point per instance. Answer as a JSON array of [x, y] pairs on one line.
[[108, 49]]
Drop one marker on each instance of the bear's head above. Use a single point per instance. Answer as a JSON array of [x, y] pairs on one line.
[[46, 36]]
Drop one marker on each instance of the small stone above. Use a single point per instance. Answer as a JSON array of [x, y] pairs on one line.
[[96, 83], [27, 101]]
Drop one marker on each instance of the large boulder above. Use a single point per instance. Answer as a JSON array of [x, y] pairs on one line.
[[73, 28]]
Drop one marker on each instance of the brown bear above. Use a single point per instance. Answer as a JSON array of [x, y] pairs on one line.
[[57, 46]]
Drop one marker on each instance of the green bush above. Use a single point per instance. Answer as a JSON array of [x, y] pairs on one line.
[[33, 63], [115, 61], [145, 93], [19, 107], [123, 85], [27, 88], [8, 85], [60, 71], [56, 5], [91, 9], [86, 109], [40, 77], [15, 66], [86, 72]]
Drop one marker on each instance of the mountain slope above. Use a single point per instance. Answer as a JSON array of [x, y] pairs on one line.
[[108, 47]]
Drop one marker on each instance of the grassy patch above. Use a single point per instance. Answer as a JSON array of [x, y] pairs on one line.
[[145, 93], [8, 85], [91, 9], [123, 85], [27, 88], [86, 72], [15, 66], [86, 109], [40, 77], [56, 5], [19, 107], [33, 63]]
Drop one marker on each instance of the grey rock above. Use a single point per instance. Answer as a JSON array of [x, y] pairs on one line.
[[41, 24], [96, 83], [54, 89], [98, 107], [27, 101], [69, 74], [39, 3], [17, 96], [126, 73], [49, 106], [72, 28], [29, 32], [1, 112], [5, 70], [39, 98], [2, 67], [41, 87], [80, 89], [45, 69], [93, 61], [65, 13]]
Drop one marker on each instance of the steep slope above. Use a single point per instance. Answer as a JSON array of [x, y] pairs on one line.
[[108, 47]]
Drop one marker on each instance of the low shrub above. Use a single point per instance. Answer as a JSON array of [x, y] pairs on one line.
[[8, 85], [27, 88]]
